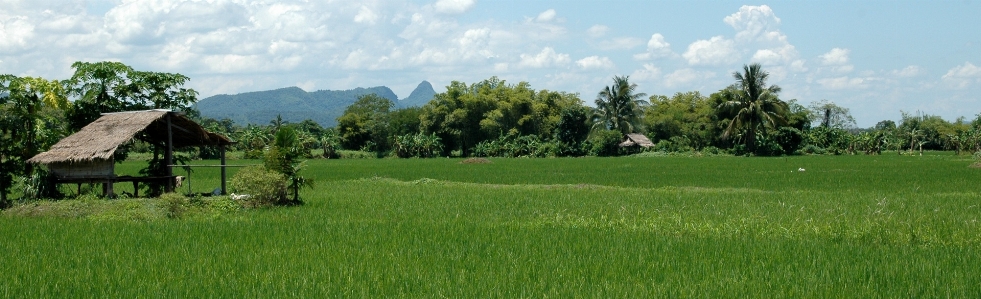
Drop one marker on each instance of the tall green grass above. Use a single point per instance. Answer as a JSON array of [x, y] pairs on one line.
[[591, 227]]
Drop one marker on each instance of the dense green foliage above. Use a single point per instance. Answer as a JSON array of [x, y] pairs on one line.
[[261, 186], [619, 107], [283, 156], [465, 116], [848, 226]]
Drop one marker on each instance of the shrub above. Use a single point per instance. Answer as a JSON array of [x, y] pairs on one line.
[[711, 150], [813, 150], [176, 205], [417, 145], [253, 154], [513, 145], [606, 143], [264, 187]]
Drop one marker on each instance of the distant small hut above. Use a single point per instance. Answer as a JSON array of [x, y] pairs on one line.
[[87, 156], [636, 140]]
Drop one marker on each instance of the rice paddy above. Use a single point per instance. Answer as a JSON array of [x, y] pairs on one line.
[[811, 226]]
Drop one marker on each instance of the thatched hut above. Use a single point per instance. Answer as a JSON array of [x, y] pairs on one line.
[[87, 156], [636, 140]]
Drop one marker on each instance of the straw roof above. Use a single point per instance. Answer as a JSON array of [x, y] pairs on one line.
[[637, 139], [99, 139]]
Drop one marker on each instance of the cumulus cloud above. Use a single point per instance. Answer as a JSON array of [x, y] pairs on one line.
[[621, 43], [15, 34], [909, 71], [715, 51], [758, 32], [844, 82], [963, 75], [366, 16], [454, 6], [754, 22], [546, 16], [595, 62], [546, 58], [648, 73], [836, 56], [597, 31], [656, 48], [685, 76]]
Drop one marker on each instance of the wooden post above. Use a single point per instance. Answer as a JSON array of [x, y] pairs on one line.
[[222, 151], [169, 156]]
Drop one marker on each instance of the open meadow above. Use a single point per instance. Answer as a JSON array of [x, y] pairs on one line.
[[846, 226]]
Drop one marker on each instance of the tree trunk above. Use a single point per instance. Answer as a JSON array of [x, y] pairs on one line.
[[751, 140]]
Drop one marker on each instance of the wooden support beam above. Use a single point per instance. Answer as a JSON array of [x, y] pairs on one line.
[[169, 156], [223, 176]]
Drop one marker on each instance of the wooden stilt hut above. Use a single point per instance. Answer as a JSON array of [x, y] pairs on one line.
[[87, 156], [633, 140]]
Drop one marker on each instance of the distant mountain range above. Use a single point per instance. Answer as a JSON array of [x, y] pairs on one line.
[[296, 105]]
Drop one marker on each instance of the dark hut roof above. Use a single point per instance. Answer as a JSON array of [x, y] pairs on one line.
[[637, 139], [99, 139]]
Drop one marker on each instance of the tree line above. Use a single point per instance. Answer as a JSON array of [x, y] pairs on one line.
[[487, 118]]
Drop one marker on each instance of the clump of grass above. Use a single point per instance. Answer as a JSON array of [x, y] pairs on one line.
[[168, 206], [476, 161]]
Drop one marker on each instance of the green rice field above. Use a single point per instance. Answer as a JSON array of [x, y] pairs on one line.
[[630, 227]]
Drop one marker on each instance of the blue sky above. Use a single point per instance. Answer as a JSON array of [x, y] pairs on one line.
[[876, 58]]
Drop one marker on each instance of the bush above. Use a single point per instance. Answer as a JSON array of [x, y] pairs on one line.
[[264, 187], [176, 205], [253, 154], [345, 154], [511, 146], [813, 150], [711, 150], [417, 145], [606, 143]]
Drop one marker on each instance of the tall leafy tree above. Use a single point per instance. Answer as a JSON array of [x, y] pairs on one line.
[[752, 105], [157, 90], [365, 121], [684, 117], [284, 157], [619, 106], [831, 115], [99, 87], [30, 122]]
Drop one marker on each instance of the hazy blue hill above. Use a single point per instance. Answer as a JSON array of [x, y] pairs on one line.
[[419, 96], [293, 103]]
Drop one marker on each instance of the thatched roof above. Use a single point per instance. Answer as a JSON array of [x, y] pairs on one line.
[[99, 139], [637, 139]]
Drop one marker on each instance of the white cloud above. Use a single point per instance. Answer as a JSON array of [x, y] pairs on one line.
[[454, 6], [656, 48], [597, 31], [621, 43], [15, 34], [714, 51], [963, 76], [546, 16], [836, 56], [595, 62], [909, 71], [366, 16], [844, 82], [648, 73], [685, 76], [754, 22], [547, 58]]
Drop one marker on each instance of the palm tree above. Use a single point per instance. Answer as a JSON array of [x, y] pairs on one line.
[[753, 105], [618, 107]]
